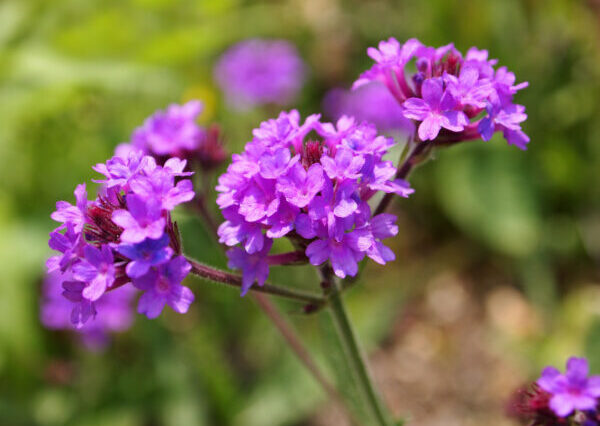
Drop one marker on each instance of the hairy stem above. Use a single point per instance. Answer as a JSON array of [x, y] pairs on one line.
[[290, 258], [218, 276], [351, 348]]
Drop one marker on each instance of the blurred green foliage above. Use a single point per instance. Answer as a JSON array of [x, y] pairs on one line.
[[77, 76]]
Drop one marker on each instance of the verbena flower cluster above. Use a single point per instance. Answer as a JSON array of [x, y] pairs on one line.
[[312, 190], [115, 312], [451, 96], [371, 102], [124, 235], [572, 398], [257, 72]]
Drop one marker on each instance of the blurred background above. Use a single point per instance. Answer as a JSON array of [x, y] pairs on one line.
[[497, 257]]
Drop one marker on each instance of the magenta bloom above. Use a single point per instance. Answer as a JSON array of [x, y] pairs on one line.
[[119, 170], [97, 270], [314, 190], [70, 244], [145, 255], [162, 286], [256, 72], [73, 215], [254, 266], [142, 219], [343, 254], [160, 185], [573, 390], [435, 110], [299, 186], [171, 132], [450, 97]]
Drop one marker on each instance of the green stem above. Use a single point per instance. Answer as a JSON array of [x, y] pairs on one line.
[[352, 351]]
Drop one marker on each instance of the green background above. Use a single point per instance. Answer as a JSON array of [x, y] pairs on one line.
[[513, 236]]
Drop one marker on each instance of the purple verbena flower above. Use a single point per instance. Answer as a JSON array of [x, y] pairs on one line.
[[344, 255], [254, 266], [162, 286], [119, 170], [73, 215], [142, 219], [159, 185], [145, 255], [299, 186], [344, 166], [573, 390], [70, 244], [313, 191], [125, 233], [256, 72], [435, 110], [97, 270], [465, 96]]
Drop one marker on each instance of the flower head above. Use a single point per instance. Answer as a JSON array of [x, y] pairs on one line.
[[255, 72], [449, 96], [314, 191], [125, 234]]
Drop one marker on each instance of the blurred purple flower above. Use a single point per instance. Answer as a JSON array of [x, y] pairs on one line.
[[171, 132], [115, 313], [371, 102], [257, 71]]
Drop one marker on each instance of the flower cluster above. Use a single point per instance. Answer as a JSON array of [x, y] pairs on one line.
[[371, 102], [115, 312], [174, 132], [452, 97], [563, 399], [257, 72], [314, 191], [124, 235]]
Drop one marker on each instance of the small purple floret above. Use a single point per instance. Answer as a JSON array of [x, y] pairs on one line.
[[573, 390], [145, 255], [162, 286]]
